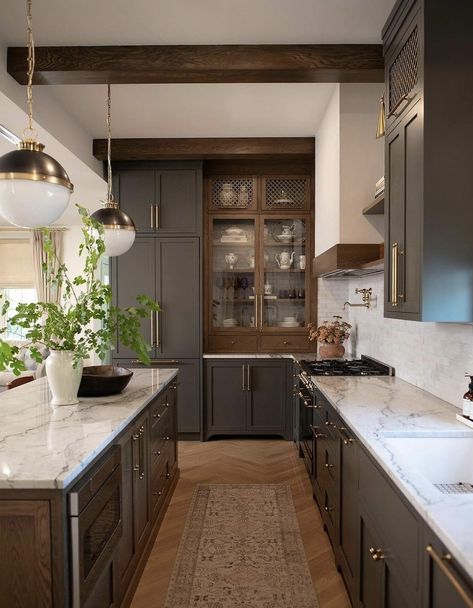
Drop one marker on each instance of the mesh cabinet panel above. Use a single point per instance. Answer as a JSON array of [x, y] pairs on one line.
[[403, 73], [286, 193], [232, 193]]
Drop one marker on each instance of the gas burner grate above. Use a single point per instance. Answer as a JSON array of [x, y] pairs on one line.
[[455, 488]]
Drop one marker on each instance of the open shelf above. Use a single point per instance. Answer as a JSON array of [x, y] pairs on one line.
[[376, 207]]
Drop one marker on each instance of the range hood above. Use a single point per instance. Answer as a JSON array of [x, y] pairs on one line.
[[351, 260]]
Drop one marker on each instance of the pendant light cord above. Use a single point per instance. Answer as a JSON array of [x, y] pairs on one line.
[[109, 200], [31, 64]]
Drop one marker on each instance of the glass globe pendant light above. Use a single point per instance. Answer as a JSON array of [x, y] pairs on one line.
[[34, 188], [119, 229]]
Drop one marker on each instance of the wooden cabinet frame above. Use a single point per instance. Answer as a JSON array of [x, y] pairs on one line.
[[258, 339]]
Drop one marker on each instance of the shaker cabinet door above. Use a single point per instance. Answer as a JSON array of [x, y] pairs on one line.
[[136, 196], [178, 293], [178, 194], [225, 397], [267, 396], [134, 273]]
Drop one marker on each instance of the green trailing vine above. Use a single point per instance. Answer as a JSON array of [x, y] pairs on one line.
[[85, 301]]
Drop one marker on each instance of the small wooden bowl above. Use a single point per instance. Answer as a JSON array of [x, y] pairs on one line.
[[103, 380]]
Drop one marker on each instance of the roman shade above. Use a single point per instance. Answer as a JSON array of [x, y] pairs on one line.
[[16, 263]]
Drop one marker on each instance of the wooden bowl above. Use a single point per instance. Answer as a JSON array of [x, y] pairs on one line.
[[103, 380]]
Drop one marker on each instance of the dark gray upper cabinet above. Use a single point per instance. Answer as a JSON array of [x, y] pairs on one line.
[[429, 249], [167, 269], [163, 198], [248, 397]]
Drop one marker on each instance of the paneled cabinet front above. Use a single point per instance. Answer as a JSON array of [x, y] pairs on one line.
[[161, 199], [168, 270], [135, 499], [247, 397]]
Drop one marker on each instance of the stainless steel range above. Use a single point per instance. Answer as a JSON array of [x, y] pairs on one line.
[[311, 399]]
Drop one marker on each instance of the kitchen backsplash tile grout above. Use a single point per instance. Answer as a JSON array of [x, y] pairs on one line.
[[432, 356]]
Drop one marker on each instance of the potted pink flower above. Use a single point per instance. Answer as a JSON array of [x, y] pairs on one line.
[[331, 335]]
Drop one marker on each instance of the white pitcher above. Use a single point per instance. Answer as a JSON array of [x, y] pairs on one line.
[[284, 259], [63, 377]]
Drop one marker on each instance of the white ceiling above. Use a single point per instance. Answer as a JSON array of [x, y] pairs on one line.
[[199, 110], [75, 22]]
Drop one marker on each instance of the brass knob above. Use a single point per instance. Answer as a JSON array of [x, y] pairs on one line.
[[329, 466], [158, 493], [168, 475], [285, 342], [327, 509], [167, 438], [376, 554], [156, 415], [157, 453]]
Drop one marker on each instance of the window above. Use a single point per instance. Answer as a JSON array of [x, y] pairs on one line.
[[15, 297], [16, 279]]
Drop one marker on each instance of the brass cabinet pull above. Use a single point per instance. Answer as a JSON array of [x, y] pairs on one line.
[[261, 311], [328, 509], [404, 99], [168, 475], [156, 215], [394, 274], [444, 562], [151, 322], [243, 377], [151, 214], [256, 312], [376, 554], [141, 448], [329, 466], [248, 377], [317, 434], [157, 453], [157, 329], [307, 404], [158, 493], [342, 433]]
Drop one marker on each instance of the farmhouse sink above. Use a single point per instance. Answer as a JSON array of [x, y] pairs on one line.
[[447, 462]]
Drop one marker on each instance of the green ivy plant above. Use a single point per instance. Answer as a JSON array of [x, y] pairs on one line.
[[85, 300]]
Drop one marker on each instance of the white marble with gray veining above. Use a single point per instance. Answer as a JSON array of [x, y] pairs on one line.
[[249, 356], [379, 409], [45, 446]]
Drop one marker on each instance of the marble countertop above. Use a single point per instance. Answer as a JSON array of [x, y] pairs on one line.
[[379, 409], [45, 446]]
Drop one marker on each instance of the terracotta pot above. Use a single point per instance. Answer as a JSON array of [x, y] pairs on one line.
[[331, 351]]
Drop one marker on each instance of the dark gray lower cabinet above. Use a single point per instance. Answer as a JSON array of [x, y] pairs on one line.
[[445, 584], [387, 555], [189, 383], [248, 396]]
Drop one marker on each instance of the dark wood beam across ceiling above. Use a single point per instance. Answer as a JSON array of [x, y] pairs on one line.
[[200, 64], [186, 148]]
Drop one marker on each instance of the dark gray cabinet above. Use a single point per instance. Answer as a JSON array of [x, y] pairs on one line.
[[248, 396], [445, 584], [428, 252], [163, 198], [135, 500], [169, 271]]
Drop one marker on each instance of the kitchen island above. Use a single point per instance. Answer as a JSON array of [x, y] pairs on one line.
[[83, 490]]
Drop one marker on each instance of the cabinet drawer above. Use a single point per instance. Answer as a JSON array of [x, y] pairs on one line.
[[284, 344], [233, 344], [391, 516], [160, 446], [159, 412], [160, 482]]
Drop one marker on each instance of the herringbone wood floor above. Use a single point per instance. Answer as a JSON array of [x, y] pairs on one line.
[[241, 461]]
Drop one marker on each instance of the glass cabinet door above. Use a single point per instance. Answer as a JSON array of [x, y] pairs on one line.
[[233, 274], [285, 258]]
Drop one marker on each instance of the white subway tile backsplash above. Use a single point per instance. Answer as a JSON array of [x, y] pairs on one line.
[[433, 356]]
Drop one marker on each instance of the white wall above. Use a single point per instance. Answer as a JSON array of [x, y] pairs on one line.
[[361, 162], [432, 356], [327, 177], [349, 162]]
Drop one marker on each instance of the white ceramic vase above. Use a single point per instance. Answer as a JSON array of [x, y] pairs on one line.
[[63, 377]]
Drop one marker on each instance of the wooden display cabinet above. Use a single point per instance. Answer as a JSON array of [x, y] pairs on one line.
[[258, 248]]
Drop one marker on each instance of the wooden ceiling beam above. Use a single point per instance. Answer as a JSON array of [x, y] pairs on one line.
[[200, 64], [207, 148]]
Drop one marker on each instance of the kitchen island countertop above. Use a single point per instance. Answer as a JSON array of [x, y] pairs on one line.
[[47, 447]]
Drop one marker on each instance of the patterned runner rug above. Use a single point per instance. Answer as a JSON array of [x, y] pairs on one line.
[[241, 548]]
